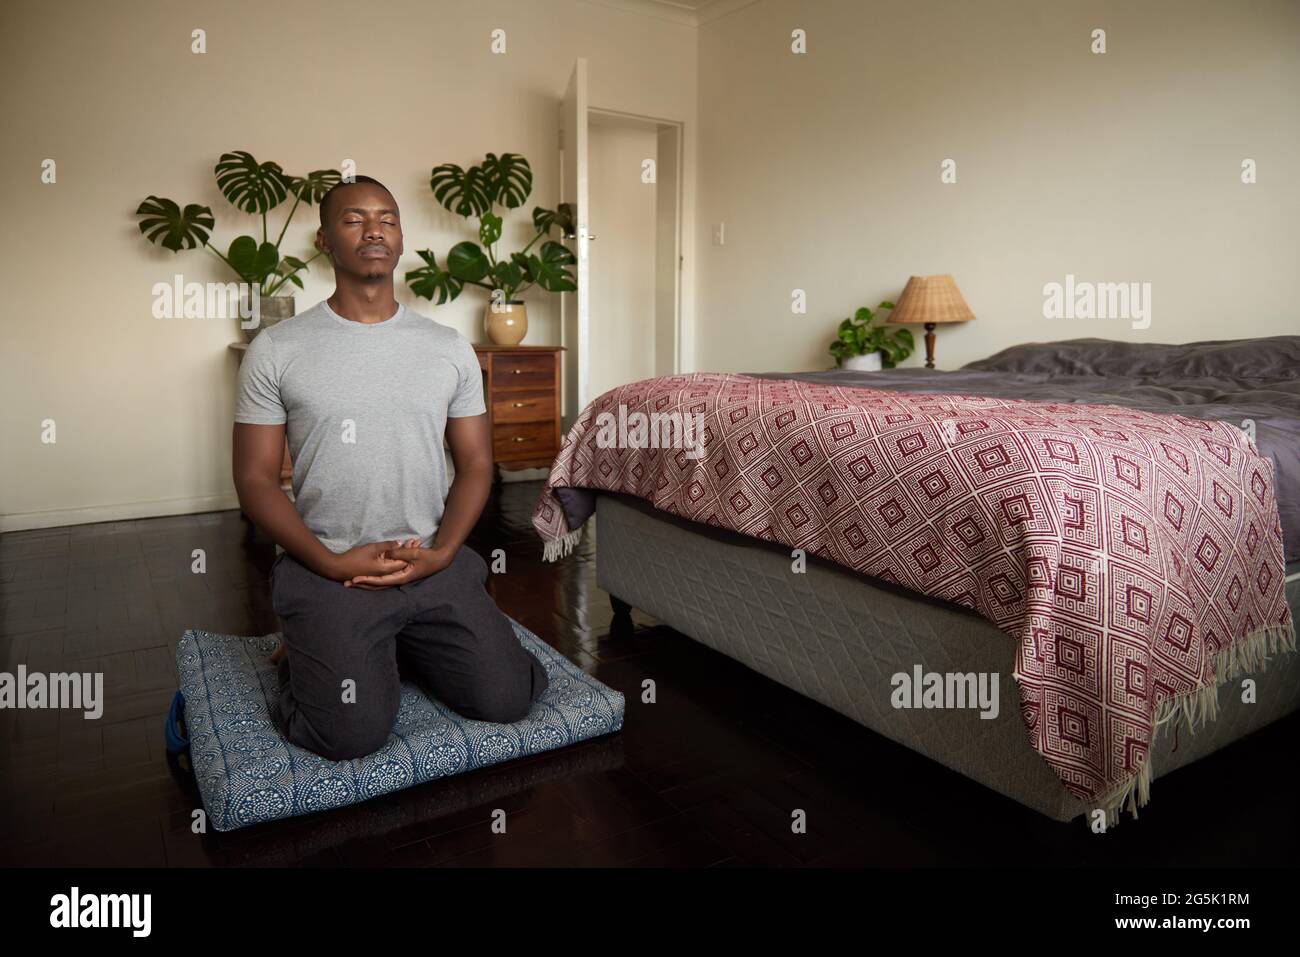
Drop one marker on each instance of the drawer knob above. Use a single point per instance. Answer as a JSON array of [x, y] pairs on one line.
[[517, 438], [517, 371], [519, 405]]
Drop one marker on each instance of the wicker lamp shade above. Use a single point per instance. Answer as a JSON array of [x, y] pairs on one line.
[[930, 300]]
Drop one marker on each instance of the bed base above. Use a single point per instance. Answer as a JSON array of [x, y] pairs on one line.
[[839, 638]]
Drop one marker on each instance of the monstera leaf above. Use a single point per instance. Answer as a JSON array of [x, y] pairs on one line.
[[289, 267], [467, 262], [460, 191], [509, 179], [565, 218], [431, 281], [312, 187], [507, 276], [171, 227], [562, 218], [253, 262], [249, 185], [489, 229], [547, 269]]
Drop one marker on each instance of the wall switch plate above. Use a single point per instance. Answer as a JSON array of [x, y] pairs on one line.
[[720, 234]]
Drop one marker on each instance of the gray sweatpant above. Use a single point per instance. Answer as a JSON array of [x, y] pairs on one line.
[[444, 632]]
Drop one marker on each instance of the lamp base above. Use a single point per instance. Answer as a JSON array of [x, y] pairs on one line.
[[929, 345]]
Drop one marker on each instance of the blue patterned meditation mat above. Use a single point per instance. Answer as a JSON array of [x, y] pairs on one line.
[[248, 773]]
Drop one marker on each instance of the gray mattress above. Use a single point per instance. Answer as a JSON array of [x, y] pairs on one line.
[[837, 637]]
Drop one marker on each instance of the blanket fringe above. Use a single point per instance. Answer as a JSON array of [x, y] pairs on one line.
[[1196, 708], [561, 546]]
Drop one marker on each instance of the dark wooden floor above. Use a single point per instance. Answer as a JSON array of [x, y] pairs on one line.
[[707, 776]]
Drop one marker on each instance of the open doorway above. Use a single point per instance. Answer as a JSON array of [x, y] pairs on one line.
[[633, 255], [634, 251]]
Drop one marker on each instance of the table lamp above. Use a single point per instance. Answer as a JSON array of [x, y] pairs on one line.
[[930, 300]]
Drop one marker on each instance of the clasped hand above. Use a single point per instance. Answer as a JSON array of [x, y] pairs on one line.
[[385, 564]]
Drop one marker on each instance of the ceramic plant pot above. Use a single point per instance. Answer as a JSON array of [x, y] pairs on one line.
[[271, 309], [506, 324], [868, 363]]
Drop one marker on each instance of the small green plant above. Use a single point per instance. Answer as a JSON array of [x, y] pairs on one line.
[[505, 181], [251, 187], [860, 335]]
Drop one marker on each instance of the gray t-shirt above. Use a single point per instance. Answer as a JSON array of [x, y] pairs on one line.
[[365, 408]]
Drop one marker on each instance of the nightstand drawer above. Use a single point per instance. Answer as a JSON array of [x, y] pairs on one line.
[[522, 392], [514, 372], [523, 440], [525, 407]]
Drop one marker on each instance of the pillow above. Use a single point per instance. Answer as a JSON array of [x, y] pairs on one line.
[[1273, 358]]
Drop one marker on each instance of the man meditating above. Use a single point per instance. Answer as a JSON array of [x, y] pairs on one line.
[[375, 570]]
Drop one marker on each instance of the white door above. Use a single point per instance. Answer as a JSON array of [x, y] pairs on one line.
[[573, 189]]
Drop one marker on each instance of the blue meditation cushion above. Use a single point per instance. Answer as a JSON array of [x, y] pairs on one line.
[[248, 773]]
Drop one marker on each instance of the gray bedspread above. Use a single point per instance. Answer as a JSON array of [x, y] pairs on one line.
[[1233, 381]]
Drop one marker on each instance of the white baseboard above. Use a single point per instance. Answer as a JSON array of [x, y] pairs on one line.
[[159, 508]]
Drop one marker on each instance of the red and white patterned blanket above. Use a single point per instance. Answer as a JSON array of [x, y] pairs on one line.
[[1135, 557]]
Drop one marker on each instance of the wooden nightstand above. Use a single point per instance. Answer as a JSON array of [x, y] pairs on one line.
[[522, 393]]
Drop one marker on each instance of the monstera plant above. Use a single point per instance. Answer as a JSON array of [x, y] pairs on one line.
[[499, 181], [251, 187]]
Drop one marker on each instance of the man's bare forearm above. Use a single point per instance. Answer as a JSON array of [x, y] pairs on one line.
[[266, 505], [465, 500]]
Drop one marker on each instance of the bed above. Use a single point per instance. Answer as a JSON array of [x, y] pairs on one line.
[[842, 636]]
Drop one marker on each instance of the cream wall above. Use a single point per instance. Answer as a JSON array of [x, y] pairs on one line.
[[1123, 166], [111, 91]]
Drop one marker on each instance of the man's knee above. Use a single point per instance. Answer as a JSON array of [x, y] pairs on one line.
[[355, 740], [497, 707], [348, 731], [503, 700]]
